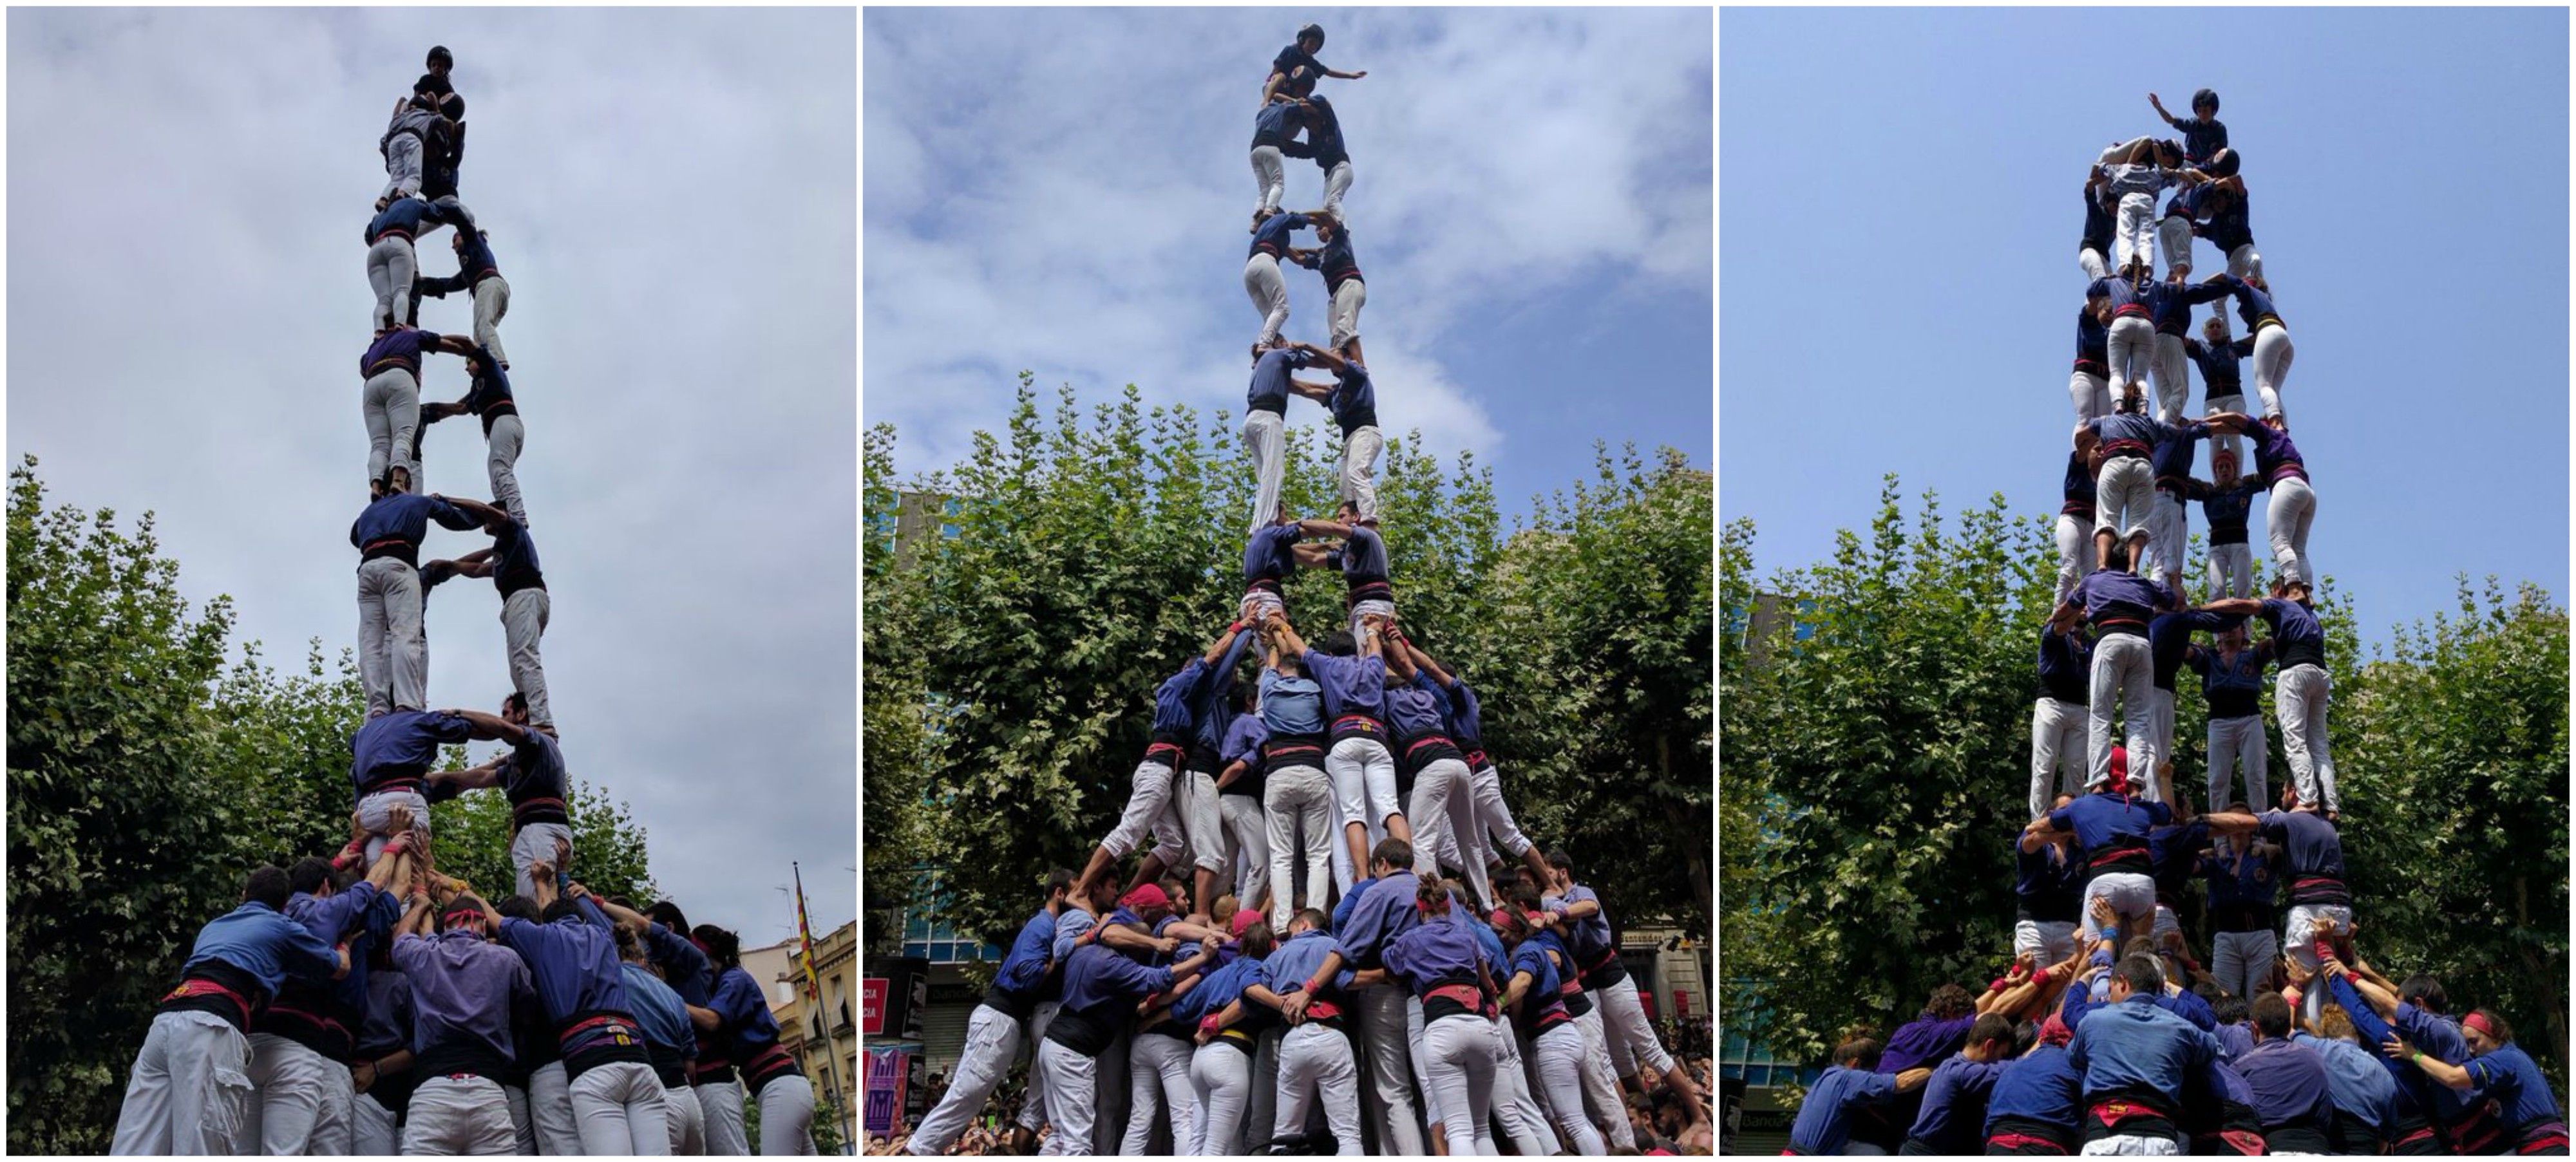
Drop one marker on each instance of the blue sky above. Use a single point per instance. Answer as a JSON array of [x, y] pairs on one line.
[[1531, 208], [1898, 280]]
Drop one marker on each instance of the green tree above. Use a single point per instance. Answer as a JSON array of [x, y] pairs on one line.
[[1096, 551], [472, 834], [1875, 726]]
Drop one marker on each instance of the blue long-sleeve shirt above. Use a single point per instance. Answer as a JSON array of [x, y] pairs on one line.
[[2288, 1081], [1220, 988], [2226, 508], [659, 1011], [1351, 685], [2119, 601], [1291, 706], [1298, 957], [2297, 636], [402, 518], [1416, 710], [2171, 457], [1382, 913], [1323, 135], [2105, 821], [401, 745], [2136, 1046], [2092, 343], [406, 217], [1276, 123], [1431, 954], [574, 964], [1466, 718], [2219, 370], [2065, 666], [1212, 708], [2362, 1091], [1025, 968], [1173, 717], [1269, 554], [684, 965], [1954, 1106], [2252, 304], [2040, 1087], [1269, 389], [1824, 1119], [1272, 235], [474, 263], [2171, 305], [266, 945], [363, 913], [1098, 976]]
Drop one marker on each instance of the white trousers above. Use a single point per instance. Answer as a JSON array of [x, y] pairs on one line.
[[1315, 1064], [1379, 1013], [391, 266], [2237, 744], [1360, 451], [1221, 1081], [2161, 743], [459, 1115], [1516, 1115], [393, 658], [501, 462], [2132, 349], [1494, 830], [402, 165], [2173, 237], [1601, 1087], [533, 844], [1632, 1043], [2136, 226], [1302, 822], [2139, 1144], [618, 1109], [1159, 1086], [2091, 393], [1348, 298], [1247, 829], [1269, 176], [306, 1101], [688, 1123], [491, 302], [1556, 1058], [1265, 440], [2049, 941], [2299, 700], [1460, 1049], [2123, 677], [2074, 553], [722, 1103], [374, 1131], [2286, 518], [2090, 262], [389, 404], [1363, 776], [1269, 291], [1149, 802], [1337, 182], [2227, 442], [2243, 262], [1202, 823], [190, 1089], [375, 813], [787, 1116], [1033, 1102], [2241, 960], [522, 1128], [2272, 352], [2168, 530], [2300, 933], [1070, 1078], [2057, 742], [2124, 496], [523, 629], [2231, 570], [550, 1113], [1443, 811], [2132, 897], [2171, 369]]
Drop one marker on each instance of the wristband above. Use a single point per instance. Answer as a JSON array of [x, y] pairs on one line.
[[2001, 983]]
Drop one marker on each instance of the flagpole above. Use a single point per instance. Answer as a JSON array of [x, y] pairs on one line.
[[814, 996]]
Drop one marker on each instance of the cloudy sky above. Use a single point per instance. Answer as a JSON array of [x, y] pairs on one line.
[[1068, 191], [669, 193]]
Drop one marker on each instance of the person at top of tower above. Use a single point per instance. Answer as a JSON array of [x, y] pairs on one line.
[[2204, 135], [1295, 70]]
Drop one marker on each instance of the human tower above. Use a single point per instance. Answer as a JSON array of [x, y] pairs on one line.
[[2107, 1035], [369, 1002], [1321, 907]]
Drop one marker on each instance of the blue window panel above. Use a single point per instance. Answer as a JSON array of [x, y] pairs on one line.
[[917, 951]]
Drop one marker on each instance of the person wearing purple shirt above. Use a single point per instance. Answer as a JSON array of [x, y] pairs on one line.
[[1315, 1058], [2169, 637], [2120, 604], [389, 759], [2293, 508], [1385, 1018], [1241, 787], [2123, 444], [2226, 499], [2312, 865], [2169, 306], [1443, 807], [2130, 343], [1265, 419], [1352, 399], [511, 563], [2288, 1083], [2110, 830], [1151, 801], [2168, 519], [301, 1045], [2499, 1070], [1261, 275], [1953, 1115], [608, 1073], [2075, 519], [2301, 696], [1854, 1084], [2060, 713], [1101, 991], [1280, 119], [389, 400], [1439, 962], [2032, 1108], [2222, 380], [1362, 769], [465, 989], [2134, 1056], [2272, 349], [391, 262], [393, 657]]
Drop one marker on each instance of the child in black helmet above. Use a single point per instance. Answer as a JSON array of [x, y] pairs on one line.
[[2202, 136], [1285, 74]]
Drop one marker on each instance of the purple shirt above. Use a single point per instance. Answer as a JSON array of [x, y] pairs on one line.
[[1417, 709], [574, 964], [401, 745], [1924, 1040], [2117, 596], [463, 988], [2274, 454], [1352, 685], [2288, 1081], [1384, 912], [1433, 954], [1270, 555], [400, 347]]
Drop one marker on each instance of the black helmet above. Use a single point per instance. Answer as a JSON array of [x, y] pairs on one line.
[[438, 53], [2207, 97], [1313, 30]]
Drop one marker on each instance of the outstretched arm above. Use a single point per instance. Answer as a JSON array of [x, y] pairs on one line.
[[490, 727], [471, 778], [1224, 641], [1318, 392], [2232, 606], [486, 513], [2170, 119]]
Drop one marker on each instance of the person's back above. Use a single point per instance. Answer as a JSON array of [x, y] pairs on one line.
[[1824, 1119], [2134, 1057], [2288, 1081], [2362, 1090], [2036, 1099]]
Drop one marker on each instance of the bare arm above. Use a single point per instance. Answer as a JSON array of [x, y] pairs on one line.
[[1232, 772], [2233, 605], [479, 778], [1423, 662], [1323, 358], [1912, 1079], [477, 509], [1286, 634], [706, 1020], [490, 727], [1216, 649], [1314, 391]]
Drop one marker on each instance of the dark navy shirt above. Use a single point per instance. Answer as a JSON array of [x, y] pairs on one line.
[[2092, 342], [2288, 1083], [1276, 123], [1272, 235], [1334, 261], [2242, 885], [2117, 596], [2233, 689], [1270, 553], [514, 559], [534, 770], [2297, 637], [2218, 365], [2252, 305], [1172, 716], [401, 347], [1293, 58], [405, 217], [2174, 448], [1362, 556], [573, 962], [2104, 822], [405, 517], [2170, 305], [2046, 885], [1269, 390], [2226, 508], [2201, 140], [2129, 428], [2097, 223], [1353, 400], [402, 745], [2081, 490], [2169, 634], [2314, 848], [2041, 1087], [2065, 666], [1243, 739], [2230, 223], [1954, 1106], [1323, 135]]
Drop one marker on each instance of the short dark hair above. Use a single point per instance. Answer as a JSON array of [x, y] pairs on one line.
[[2119, 558], [267, 884], [1392, 852], [1059, 880], [2271, 1014], [2207, 97], [2229, 1008], [2142, 973], [562, 907], [2224, 164], [1858, 1053], [724, 948], [518, 907], [2025, 1035], [1338, 643], [1313, 916], [1950, 1002], [2424, 991], [1258, 940], [1991, 1027], [516, 701], [438, 52], [1556, 858], [667, 914], [309, 873]]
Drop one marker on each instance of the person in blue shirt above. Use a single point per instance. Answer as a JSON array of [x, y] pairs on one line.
[[1101, 992], [2272, 349], [1241, 788], [1316, 1064], [571, 950], [533, 779], [2220, 361], [391, 262], [738, 1014], [2226, 500], [1280, 118], [2048, 887], [2304, 691], [1352, 399], [1383, 912], [2288, 1083], [302, 1043], [2203, 136], [2092, 252], [1295, 70], [504, 435], [1221, 1068], [1265, 416], [1297, 795], [185, 1093], [1352, 674], [1953, 1116], [2231, 682], [1851, 1084], [669, 1039], [2120, 604], [526, 607], [1262, 279], [2063, 707], [2169, 303], [389, 401], [2503, 1072], [1151, 799], [2225, 218], [2243, 874], [2032, 1107], [1325, 147], [2110, 832], [2169, 643], [1027, 976], [393, 657], [2134, 1056], [2362, 1088]]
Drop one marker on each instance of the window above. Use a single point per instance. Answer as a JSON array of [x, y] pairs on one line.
[[1738, 1058]]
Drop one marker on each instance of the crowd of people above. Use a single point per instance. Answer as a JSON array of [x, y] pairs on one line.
[[2159, 999], [1332, 936], [369, 1003]]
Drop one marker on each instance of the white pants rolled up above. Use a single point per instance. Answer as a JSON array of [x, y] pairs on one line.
[[2091, 393], [402, 166], [2124, 496], [1159, 1086], [1337, 182], [491, 302], [2089, 260], [1360, 452], [2243, 262], [2173, 239], [2286, 518], [550, 1111], [501, 463], [305, 1099], [2170, 368], [1265, 441], [1221, 1081], [1248, 827], [1315, 1065], [534, 844], [1557, 1058], [2057, 742], [2074, 553], [2136, 226], [2242, 960], [391, 266], [1269, 177], [459, 1115], [1363, 776], [389, 405], [2132, 897], [1348, 298], [2299, 699], [1298, 802], [2123, 675], [787, 1116], [1460, 1048], [722, 1104], [2047, 941], [2237, 745], [1444, 811], [393, 659], [189, 1091], [2272, 352], [617, 1110], [1149, 794], [2132, 349], [1269, 291]]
